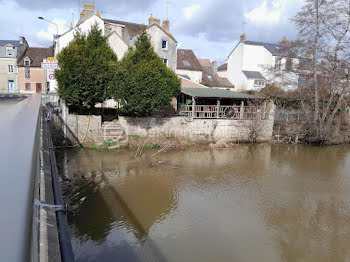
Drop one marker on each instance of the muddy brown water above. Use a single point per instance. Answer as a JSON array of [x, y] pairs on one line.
[[249, 203]]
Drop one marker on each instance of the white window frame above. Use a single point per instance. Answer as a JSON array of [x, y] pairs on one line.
[[166, 44], [9, 51], [165, 61], [10, 69]]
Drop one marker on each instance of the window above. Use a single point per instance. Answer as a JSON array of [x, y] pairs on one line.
[[164, 44], [182, 52], [259, 82], [10, 68], [9, 50], [27, 61], [28, 86], [209, 77], [186, 63], [27, 73], [165, 61], [289, 64], [302, 80], [278, 61]]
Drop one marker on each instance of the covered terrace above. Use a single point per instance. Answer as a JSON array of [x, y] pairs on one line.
[[212, 103]]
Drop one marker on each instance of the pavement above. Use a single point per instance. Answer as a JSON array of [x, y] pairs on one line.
[[7, 100]]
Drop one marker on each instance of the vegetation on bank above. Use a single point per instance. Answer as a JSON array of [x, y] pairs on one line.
[[143, 83], [90, 73], [86, 68]]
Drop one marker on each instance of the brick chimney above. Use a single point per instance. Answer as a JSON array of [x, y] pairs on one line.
[[243, 37], [88, 11], [152, 20], [166, 25]]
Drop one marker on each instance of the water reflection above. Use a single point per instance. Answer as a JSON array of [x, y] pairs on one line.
[[249, 203]]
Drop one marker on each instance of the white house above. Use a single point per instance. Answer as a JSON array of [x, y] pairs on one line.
[[250, 62], [121, 35]]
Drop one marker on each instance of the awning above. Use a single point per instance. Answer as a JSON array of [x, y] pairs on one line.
[[216, 93]]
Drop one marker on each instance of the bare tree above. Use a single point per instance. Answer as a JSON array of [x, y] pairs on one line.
[[323, 64]]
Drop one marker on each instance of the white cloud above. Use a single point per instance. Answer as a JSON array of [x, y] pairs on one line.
[[190, 11], [262, 14], [51, 29]]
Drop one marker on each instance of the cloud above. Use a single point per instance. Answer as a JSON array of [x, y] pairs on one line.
[[190, 11], [52, 29], [262, 14], [116, 7]]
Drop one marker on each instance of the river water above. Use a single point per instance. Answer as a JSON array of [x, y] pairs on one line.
[[248, 203]]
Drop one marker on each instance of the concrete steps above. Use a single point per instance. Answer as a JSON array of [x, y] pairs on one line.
[[111, 130]]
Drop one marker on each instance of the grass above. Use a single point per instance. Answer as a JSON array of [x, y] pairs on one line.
[[109, 143]]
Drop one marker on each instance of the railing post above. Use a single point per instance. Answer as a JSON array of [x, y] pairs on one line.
[[218, 108], [193, 106], [242, 110]]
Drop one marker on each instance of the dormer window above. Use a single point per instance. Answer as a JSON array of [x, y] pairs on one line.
[[9, 51], [164, 44], [27, 61]]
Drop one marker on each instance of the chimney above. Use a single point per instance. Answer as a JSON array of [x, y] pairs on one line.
[[88, 11], [243, 37], [22, 40], [152, 20], [284, 41], [214, 65], [166, 25]]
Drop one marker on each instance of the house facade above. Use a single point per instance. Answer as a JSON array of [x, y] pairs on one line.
[[122, 35], [31, 77], [250, 63], [10, 52]]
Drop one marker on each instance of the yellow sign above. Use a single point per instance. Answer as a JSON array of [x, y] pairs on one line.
[[51, 59]]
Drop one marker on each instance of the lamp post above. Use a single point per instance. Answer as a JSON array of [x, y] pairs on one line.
[[56, 36]]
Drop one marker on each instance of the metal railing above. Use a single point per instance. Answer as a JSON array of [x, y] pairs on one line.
[[222, 112]]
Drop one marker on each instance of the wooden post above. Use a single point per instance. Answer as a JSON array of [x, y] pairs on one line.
[[218, 108], [242, 110], [193, 106]]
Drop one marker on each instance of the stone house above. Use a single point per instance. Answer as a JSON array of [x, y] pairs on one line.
[[249, 64], [31, 77], [122, 35], [11, 51]]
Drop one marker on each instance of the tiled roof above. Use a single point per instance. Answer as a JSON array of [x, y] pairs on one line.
[[211, 78], [222, 67], [253, 75], [215, 93], [133, 28], [37, 55], [15, 43], [187, 60]]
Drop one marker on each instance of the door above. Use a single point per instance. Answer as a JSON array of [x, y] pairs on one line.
[[38, 87], [11, 86]]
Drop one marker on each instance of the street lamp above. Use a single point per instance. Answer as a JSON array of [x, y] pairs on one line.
[[42, 18], [56, 36]]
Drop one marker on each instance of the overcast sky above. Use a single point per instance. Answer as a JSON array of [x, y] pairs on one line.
[[209, 27]]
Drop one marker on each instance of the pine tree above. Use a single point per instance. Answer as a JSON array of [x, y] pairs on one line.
[[143, 83], [87, 67]]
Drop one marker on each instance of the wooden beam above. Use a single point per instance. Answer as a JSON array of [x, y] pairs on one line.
[[193, 106], [241, 113]]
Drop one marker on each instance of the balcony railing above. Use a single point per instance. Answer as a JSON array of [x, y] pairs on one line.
[[222, 112]]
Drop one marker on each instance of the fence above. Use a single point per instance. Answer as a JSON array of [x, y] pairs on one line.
[[223, 112], [291, 116]]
